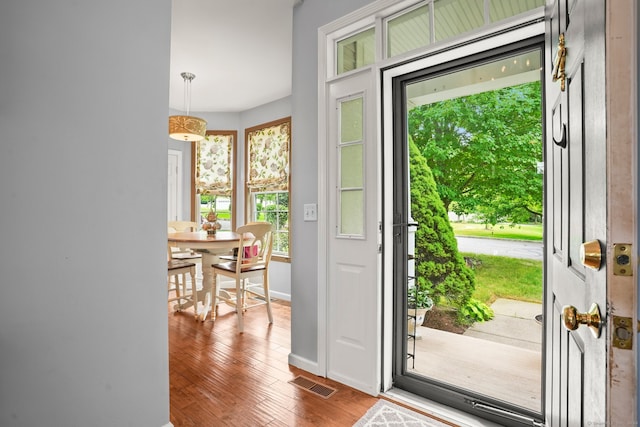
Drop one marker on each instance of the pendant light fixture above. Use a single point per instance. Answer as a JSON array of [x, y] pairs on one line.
[[187, 128]]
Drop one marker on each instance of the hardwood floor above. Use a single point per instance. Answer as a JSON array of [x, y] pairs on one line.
[[221, 378]]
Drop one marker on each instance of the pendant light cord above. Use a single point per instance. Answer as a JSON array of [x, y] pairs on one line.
[[187, 90]]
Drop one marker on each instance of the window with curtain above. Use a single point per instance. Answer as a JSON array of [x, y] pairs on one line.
[[215, 177], [267, 179]]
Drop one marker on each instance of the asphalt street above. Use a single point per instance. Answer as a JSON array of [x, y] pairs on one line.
[[501, 247]]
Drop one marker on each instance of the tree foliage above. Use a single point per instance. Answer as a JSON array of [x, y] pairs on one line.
[[439, 266], [483, 150]]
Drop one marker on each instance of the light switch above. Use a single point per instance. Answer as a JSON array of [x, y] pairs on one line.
[[310, 212]]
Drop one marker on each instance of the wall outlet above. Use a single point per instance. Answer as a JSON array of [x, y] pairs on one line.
[[310, 212]]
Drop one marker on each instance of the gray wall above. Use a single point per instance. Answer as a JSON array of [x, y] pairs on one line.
[[307, 18], [83, 127]]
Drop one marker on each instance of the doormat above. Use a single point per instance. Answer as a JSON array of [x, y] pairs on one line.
[[387, 414]]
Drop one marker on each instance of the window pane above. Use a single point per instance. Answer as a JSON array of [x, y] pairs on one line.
[[351, 166], [409, 31], [502, 9], [356, 51], [453, 17], [281, 243], [351, 120], [351, 173], [352, 212], [273, 207], [222, 206]]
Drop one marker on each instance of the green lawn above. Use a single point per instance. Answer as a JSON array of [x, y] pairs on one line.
[[503, 277], [499, 231], [204, 211]]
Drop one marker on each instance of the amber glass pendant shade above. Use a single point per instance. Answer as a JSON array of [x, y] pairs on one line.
[[187, 128]]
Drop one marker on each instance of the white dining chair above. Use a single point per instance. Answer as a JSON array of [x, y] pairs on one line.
[[178, 227], [177, 270], [181, 262], [254, 255]]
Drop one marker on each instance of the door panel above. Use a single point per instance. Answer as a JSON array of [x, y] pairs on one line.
[[353, 326], [576, 198]]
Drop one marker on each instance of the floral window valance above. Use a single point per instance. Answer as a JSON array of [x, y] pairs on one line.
[[214, 157], [268, 151]]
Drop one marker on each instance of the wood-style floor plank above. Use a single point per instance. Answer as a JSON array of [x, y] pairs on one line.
[[221, 378]]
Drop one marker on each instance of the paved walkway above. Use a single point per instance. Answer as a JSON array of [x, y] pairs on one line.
[[501, 247], [514, 324]]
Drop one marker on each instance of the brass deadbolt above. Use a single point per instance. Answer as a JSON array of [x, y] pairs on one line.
[[591, 254]]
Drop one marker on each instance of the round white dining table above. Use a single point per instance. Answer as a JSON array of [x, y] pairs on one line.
[[211, 247]]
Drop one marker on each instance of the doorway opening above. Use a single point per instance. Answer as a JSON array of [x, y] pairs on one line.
[[469, 233]]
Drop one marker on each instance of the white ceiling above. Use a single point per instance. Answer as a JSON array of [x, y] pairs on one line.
[[239, 50]]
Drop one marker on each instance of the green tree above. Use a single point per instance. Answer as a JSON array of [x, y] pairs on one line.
[[439, 266], [483, 150], [273, 207]]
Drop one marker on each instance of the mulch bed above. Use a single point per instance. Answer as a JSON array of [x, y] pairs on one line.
[[444, 320]]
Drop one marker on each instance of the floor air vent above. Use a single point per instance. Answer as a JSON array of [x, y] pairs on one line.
[[312, 386]]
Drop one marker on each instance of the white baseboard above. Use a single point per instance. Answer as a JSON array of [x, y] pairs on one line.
[[279, 295], [304, 364], [168, 425]]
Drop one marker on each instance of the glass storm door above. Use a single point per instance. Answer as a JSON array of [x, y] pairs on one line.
[[468, 154]]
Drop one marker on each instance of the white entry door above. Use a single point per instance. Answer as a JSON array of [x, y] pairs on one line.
[[581, 358], [352, 308]]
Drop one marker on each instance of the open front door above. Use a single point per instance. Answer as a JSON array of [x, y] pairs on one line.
[[576, 200], [586, 225]]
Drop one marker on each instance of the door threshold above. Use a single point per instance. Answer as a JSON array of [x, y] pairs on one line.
[[438, 410]]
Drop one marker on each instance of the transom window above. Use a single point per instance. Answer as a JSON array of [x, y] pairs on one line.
[[423, 24], [356, 51]]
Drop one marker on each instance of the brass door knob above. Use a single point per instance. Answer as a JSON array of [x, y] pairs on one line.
[[572, 319], [591, 254]]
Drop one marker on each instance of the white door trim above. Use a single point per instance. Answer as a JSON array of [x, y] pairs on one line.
[[179, 190], [357, 20], [622, 198]]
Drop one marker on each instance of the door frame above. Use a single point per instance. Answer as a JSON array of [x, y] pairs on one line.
[[621, 69], [484, 45], [621, 61]]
